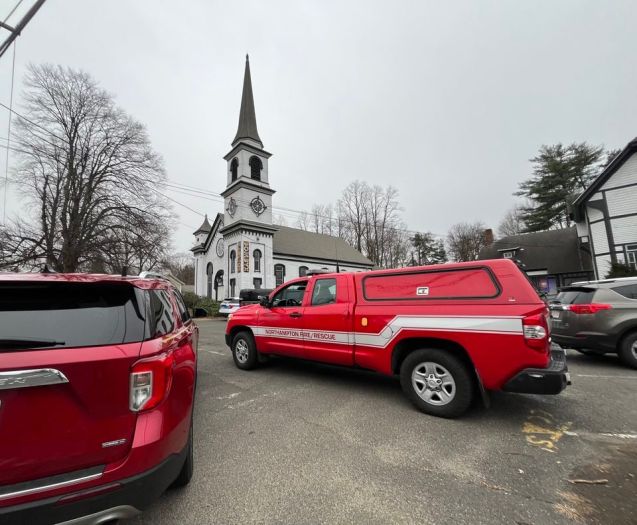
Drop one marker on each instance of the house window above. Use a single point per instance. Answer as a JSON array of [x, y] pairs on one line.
[[233, 287], [631, 255], [255, 167], [279, 274], [257, 283], [303, 271], [209, 280], [233, 261], [257, 260], [234, 167], [508, 255]]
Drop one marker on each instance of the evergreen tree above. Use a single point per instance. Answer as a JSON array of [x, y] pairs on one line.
[[559, 174], [427, 250]]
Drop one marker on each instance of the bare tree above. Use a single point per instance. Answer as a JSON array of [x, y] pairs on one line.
[[89, 176], [465, 240], [513, 222], [303, 221], [181, 265], [351, 206], [279, 220]]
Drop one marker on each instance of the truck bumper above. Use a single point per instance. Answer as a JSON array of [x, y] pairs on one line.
[[551, 380]]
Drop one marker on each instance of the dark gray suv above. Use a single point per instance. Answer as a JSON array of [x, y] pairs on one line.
[[598, 317]]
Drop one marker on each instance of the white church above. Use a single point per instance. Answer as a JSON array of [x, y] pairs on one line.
[[242, 248]]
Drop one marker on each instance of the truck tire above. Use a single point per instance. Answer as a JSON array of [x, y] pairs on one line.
[[628, 350], [244, 351], [437, 382]]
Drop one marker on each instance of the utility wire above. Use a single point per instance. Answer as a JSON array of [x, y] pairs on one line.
[[212, 196], [12, 11], [6, 163]]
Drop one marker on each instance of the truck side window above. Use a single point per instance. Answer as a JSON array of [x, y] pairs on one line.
[[324, 292], [290, 295]]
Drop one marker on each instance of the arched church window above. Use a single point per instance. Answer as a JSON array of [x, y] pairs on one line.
[[257, 260], [209, 280], [218, 283], [279, 274], [303, 271], [255, 167], [233, 261], [234, 168]]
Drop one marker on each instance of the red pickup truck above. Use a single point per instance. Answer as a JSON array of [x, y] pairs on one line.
[[450, 332]]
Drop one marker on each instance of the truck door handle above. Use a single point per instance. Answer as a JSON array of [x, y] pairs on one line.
[[295, 314]]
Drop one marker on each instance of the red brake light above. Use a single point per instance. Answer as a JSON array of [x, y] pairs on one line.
[[536, 331], [150, 382], [592, 308]]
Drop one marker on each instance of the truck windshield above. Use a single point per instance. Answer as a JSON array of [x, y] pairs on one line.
[[58, 315]]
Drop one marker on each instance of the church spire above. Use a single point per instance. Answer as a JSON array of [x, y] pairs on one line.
[[247, 118]]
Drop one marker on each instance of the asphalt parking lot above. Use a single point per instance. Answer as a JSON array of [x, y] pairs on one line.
[[298, 442]]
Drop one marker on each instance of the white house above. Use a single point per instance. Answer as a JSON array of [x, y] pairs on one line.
[[606, 213], [242, 248]]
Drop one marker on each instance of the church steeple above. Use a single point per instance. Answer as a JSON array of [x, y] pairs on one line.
[[247, 128]]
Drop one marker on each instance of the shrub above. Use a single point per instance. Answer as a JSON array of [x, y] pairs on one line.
[[190, 299], [621, 270]]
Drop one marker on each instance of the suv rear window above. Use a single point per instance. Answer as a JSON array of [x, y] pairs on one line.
[[62, 314], [629, 291], [576, 296], [469, 283]]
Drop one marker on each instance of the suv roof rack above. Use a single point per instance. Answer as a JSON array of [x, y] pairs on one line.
[[152, 275]]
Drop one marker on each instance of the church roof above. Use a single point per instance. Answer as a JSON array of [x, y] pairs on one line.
[[301, 243], [205, 227], [247, 117]]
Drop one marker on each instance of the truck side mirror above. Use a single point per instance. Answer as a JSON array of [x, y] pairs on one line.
[[265, 301]]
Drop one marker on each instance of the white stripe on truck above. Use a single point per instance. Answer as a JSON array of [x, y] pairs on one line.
[[433, 323]]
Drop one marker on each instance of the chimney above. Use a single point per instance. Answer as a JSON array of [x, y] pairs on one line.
[[488, 237]]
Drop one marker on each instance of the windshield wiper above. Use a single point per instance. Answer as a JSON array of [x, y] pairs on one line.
[[21, 344]]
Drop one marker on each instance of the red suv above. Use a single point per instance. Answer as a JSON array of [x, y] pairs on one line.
[[97, 383]]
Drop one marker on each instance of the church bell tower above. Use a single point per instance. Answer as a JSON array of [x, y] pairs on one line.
[[248, 229]]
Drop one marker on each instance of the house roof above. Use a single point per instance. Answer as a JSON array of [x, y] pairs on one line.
[[205, 227], [301, 243], [557, 251], [608, 171], [247, 116]]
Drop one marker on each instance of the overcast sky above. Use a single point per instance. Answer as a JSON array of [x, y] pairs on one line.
[[446, 101]]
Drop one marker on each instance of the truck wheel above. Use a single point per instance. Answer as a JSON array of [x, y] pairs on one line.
[[244, 351], [628, 350], [437, 382]]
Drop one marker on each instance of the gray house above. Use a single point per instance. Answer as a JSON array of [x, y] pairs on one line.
[[606, 213], [551, 259]]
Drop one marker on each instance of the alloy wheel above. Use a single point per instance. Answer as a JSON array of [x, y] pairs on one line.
[[241, 350], [433, 383]]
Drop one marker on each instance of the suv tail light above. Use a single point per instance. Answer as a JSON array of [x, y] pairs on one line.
[[591, 308], [150, 382], [535, 328]]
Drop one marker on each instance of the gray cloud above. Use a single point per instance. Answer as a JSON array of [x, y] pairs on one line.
[[446, 101]]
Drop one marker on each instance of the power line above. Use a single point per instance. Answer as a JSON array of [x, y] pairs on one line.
[[6, 163], [216, 197]]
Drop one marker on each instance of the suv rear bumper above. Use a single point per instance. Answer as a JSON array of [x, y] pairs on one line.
[[551, 380], [132, 496], [592, 341]]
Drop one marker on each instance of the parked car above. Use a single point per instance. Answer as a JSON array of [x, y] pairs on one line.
[[253, 296], [598, 317], [97, 383], [229, 305], [448, 331]]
